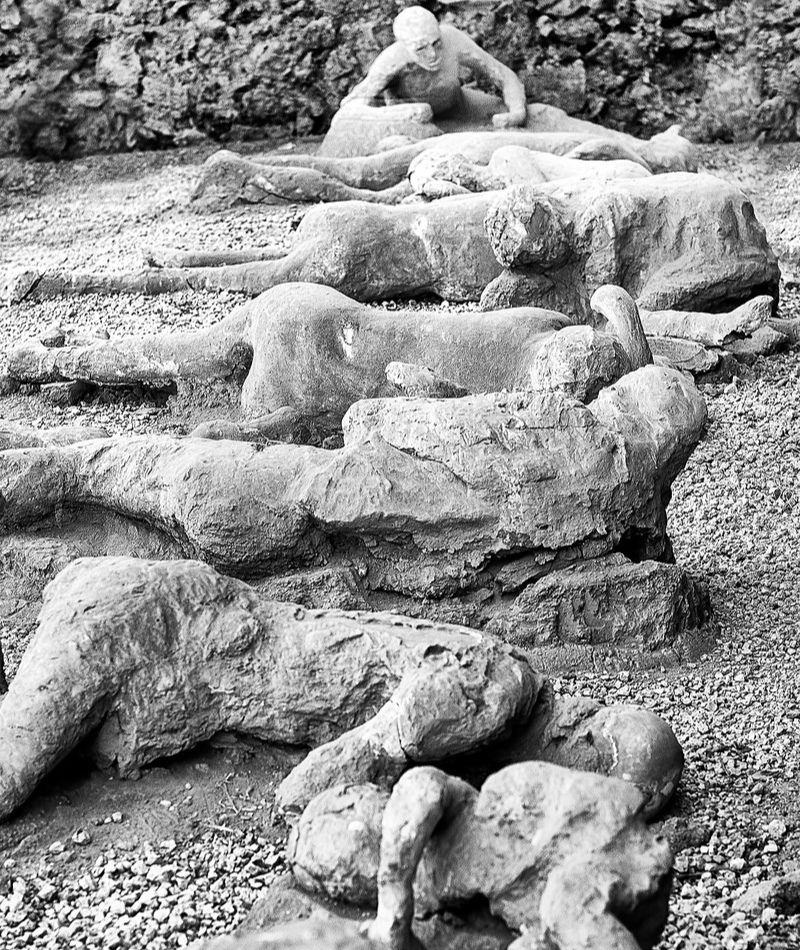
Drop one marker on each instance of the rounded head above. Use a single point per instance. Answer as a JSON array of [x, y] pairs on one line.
[[335, 846], [418, 30], [217, 429], [642, 749]]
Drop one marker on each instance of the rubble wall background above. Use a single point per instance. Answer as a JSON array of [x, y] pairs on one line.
[[84, 75]]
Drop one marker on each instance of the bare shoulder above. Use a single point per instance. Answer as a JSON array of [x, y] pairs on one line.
[[393, 58], [458, 40], [387, 66], [451, 34]]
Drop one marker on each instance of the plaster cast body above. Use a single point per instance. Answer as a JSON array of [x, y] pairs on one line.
[[562, 858], [424, 65], [150, 658], [672, 241]]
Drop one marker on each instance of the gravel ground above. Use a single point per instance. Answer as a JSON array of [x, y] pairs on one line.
[[161, 895], [734, 520]]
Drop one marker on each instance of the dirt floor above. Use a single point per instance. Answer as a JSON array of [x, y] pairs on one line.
[[186, 849]]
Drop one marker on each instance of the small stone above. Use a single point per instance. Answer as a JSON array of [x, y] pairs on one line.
[[782, 893], [57, 847], [18, 890], [47, 892], [776, 829]]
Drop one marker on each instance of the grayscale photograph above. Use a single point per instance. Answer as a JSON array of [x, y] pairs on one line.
[[399, 475]]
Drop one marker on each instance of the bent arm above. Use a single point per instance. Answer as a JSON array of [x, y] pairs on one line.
[[500, 76], [382, 73]]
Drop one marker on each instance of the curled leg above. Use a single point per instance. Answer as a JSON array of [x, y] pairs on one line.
[[63, 689], [162, 655], [421, 800]]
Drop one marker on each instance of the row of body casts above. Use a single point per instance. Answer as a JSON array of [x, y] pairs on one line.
[[446, 778]]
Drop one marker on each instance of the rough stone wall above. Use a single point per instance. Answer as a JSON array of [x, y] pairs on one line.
[[85, 75]]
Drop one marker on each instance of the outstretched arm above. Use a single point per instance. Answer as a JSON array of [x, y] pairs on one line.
[[500, 76], [421, 800]]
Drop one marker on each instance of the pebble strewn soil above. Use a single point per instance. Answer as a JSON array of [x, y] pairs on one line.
[[95, 862]]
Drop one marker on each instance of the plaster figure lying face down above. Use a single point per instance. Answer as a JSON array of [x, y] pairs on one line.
[[672, 241], [310, 348], [563, 859], [152, 657], [424, 495], [345, 348], [429, 497], [228, 178], [435, 174]]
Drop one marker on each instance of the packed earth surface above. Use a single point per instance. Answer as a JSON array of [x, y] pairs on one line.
[[184, 850]]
